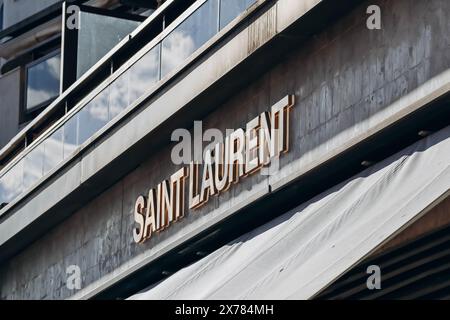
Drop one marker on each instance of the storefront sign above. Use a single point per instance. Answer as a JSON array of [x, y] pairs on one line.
[[242, 153]]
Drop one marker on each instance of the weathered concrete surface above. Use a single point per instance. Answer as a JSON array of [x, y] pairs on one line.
[[9, 106], [344, 76]]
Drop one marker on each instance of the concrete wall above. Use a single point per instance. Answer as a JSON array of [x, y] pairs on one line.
[[344, 80], [9, 106]]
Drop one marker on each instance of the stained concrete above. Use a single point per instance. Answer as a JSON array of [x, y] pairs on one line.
[[9, 106]]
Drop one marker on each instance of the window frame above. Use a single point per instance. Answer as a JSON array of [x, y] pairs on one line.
[[27, 113]]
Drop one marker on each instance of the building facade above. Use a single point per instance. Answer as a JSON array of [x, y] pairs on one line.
[[334, 115]]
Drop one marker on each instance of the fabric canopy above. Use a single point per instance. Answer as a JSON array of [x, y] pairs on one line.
[[298, 254]]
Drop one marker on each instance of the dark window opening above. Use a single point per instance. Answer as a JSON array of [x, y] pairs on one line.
[[1, 16], [41, 85]]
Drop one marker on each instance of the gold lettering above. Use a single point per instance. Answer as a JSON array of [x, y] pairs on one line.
[[194, 197], [280, 124], [242, 153], [208, 187], [222, 158], [266, 144], [252, 162], [166, 204], [178, 187], [150, 217], [138, 233], [237, 151]]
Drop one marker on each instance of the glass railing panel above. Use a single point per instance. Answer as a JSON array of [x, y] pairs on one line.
[[97, 35], [145, 73], [33, 166], [70, 136], [230, 9], [119, 94], [93, 116], [53, 150], [190, 35], [11, 184]]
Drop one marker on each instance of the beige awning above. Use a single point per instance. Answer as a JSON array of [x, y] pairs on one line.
[[298, 254]]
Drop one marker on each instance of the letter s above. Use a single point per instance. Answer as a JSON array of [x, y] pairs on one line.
[[139, 219]]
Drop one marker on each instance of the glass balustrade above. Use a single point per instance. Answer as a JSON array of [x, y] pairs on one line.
[[230, 9], [53, 150], [162, 59], [190, 35], [144, 73]]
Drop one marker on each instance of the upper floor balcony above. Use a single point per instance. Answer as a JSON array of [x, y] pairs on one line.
[[96, 100]]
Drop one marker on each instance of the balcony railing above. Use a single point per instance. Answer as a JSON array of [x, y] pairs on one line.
[[204, 19]]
